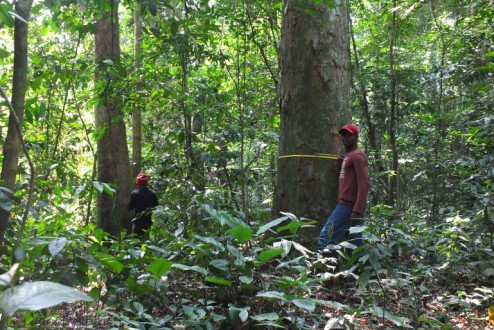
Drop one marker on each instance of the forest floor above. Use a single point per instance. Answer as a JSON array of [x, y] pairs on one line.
[[385, 303], [434, 309]]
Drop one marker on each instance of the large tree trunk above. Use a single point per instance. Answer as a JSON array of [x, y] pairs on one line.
[[315, 87], [12, 145], [113, 164]]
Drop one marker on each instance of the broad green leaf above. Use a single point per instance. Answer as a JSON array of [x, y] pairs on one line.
[[246, 279], [307, 304], [294, 225], [270, 254], [397, 320], [348, 245], [489, 271], [265, 317], [34, 296], [284, 244], [159, 267], [5, 199], [98, 186], [239, 257], [270, 225], [108, 189], [194, 268], [241, 233], [363, 279], [242, 312], [218, 280], [6, 15], [374, 257], [221, 264], [272, 294], [138, 307], [211, 241], [8, 277], [57, 245], [357, 229], [20, 254], [103, 187], [110, 262], [4, 53]]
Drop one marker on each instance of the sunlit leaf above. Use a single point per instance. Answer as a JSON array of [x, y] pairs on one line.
[[34, 296], [57, 245], [218, 280], [246, 279], [489, 271], [110, 262], [270, 225], [194, 268], [397, 320], [5, 199], [242, 313], [159, 267], [272, 294], [8, 277], [241, 233], [306, 304], [211, 241], [267, 255], [265, 317], [221, 264]]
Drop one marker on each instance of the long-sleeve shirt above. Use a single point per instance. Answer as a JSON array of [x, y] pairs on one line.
[[142, 200], [354, 181]]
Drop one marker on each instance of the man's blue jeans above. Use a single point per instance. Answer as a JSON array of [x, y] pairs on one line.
[[336, 229]]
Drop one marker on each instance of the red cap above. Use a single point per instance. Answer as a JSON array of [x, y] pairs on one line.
[[352, 129], [142, 179]]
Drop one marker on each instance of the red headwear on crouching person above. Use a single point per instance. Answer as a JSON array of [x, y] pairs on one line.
[[142, 180]]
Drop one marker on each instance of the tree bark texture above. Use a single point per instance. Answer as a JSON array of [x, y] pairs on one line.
[[315, 87], [137, 112], [113, 163], [12, 145]]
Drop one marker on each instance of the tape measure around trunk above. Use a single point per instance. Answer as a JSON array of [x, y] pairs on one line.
[[325, 156]]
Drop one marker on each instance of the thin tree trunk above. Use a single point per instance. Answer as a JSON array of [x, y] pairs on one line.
[[12, 145], [393, 179], [137, 114], [315, 87], [363, 98]]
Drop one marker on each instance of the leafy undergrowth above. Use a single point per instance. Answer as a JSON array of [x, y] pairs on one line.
[[348, 307], [233, 276]]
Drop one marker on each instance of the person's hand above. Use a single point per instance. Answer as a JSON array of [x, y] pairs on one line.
[[356, 217]]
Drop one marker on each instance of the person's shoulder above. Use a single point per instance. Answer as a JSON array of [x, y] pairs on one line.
[[358, 155], [357, 152]]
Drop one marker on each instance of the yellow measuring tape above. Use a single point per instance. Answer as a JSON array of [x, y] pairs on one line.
[[326, 156]]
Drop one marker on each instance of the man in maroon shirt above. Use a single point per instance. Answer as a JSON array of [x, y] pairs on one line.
[[353, 187]]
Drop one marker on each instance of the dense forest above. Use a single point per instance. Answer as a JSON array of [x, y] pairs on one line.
[[207, 97]]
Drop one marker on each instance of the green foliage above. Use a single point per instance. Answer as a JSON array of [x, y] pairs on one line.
[[33, 296], [207, 85]]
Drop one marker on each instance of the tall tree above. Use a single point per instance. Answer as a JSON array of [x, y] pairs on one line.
[[137, 110], [113, 164], [315, 88], [12, 145]]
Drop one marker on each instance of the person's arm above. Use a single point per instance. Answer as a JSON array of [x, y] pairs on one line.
[[132, 202], [361, 171]]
